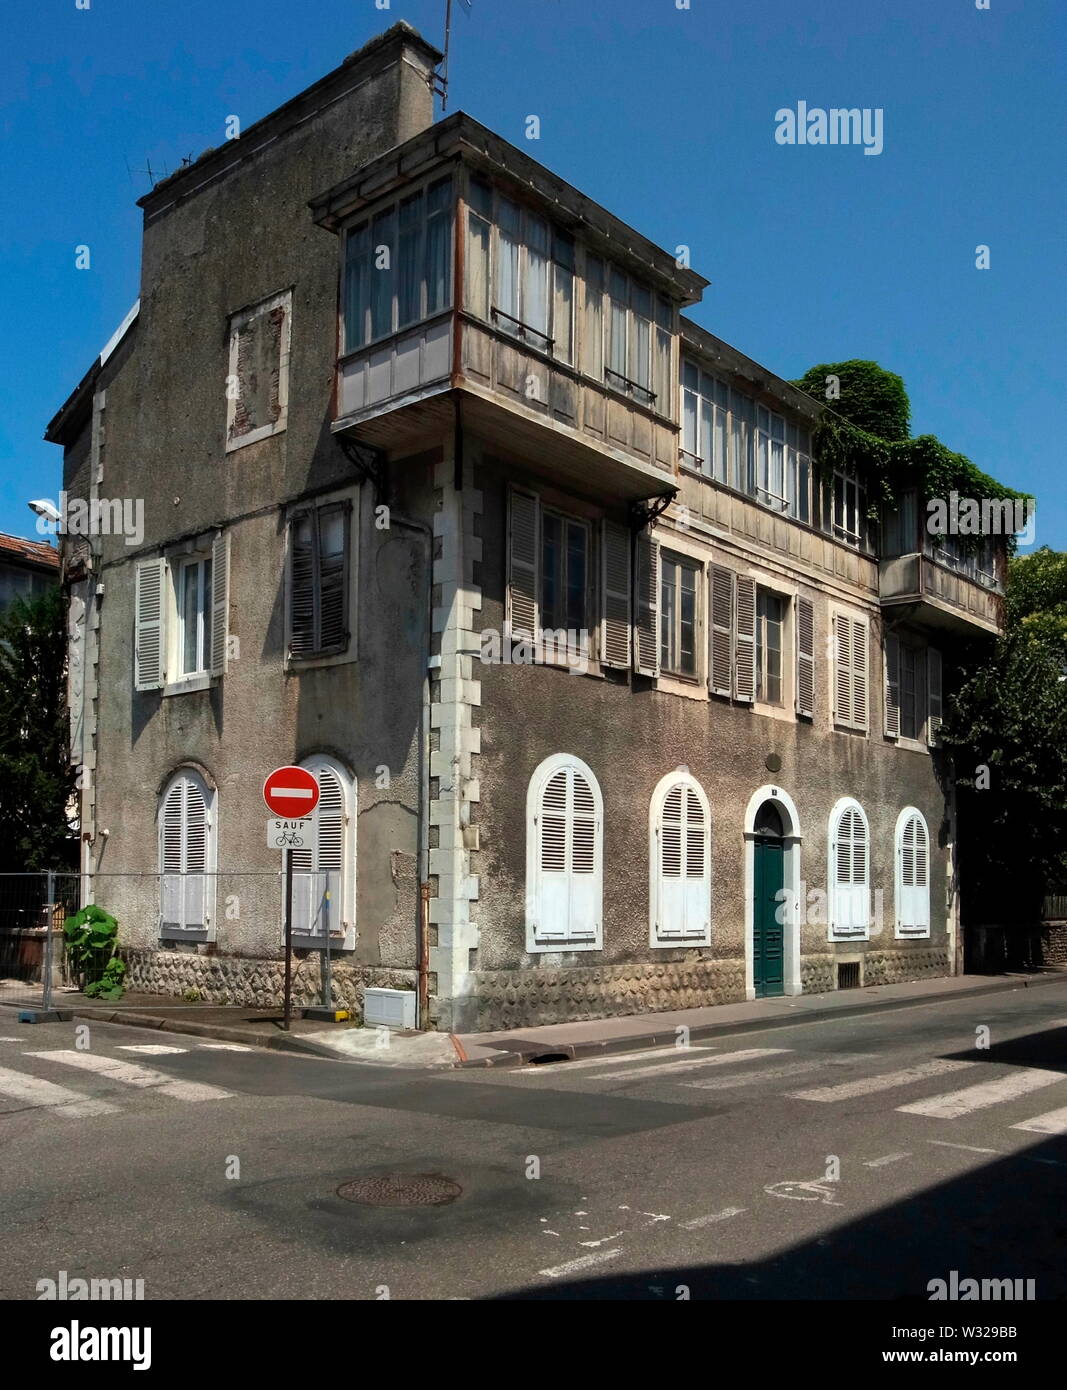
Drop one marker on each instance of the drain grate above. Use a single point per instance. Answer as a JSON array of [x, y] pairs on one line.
[[401, 1190]]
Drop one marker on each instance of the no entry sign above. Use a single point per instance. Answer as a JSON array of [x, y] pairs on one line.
[[291, 792]]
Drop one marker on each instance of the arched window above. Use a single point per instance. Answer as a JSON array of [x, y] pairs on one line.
[[680, 862], [850, 872], [187, 854], [564, 830], [324, 878], [912, 874]]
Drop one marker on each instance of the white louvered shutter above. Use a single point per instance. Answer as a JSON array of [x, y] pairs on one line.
[[842, 669], [805, 701], [745, 640], [860, 684], [721, 663], [171, 839], [197, 829], [318, 874], [891, 656], [616, 624], [149, 652], [914, 853], [220, 602], [646, 605], [568, 847], [933, 676], [524, 553], [851, 914], [683, 901]]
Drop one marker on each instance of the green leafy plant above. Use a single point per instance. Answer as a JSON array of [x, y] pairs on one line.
[[191, 995], [91, 937]]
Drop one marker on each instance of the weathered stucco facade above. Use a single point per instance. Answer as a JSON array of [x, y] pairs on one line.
[[526, 360]]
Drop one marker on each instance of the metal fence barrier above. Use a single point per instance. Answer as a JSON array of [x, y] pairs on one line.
[[33, 908]]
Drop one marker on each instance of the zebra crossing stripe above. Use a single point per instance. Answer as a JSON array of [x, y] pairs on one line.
[[150, 1049], [747, 1054], [1054, 1122], [868, 1085], [611, 1061], [952, 1104], [725, 1083], [130, 1075], [45, 1095]]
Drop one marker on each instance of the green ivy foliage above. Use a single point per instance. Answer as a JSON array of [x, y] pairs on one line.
[[865, 432]]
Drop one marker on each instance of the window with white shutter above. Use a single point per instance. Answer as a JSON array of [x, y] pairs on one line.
[[564, 879], [319, 559], [324, 878], [220, 602], [745, 639], [912, 874], [646, 607], [933, 678], [849, 872], [187, 856], [891, 660], [851, 676], [721, 664], [680, 863]]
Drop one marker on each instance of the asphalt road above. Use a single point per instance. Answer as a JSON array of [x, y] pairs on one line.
[[856, 1158]]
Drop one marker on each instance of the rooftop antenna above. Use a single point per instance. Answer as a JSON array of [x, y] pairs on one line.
[[442, 81], [152, 175]]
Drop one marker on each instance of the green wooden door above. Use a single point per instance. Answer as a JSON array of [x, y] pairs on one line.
[[768, 934]]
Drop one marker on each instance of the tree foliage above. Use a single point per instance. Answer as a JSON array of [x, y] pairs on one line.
[[1006, 731], [36, 800], [872, 399]]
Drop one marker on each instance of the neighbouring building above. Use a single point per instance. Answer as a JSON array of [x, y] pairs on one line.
[[616, 702], [27, 569]]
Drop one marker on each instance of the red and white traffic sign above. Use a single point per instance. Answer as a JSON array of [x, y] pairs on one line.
[[291, 792]]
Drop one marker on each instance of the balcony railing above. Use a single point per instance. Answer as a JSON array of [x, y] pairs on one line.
[[939, 597]]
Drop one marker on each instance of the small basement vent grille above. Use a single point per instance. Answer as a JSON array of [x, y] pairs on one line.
[[848, 974]]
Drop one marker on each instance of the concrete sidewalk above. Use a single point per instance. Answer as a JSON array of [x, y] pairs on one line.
[[606, 1035], [520, 1046]]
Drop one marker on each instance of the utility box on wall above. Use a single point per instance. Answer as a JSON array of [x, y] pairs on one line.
[[389, 1008]]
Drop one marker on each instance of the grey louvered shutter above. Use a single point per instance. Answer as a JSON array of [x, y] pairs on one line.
[[302, 585], [721, 663], [842, 669], [745, 639], [805, 657], [933, 678], [646, 605], [149, 649], [332, 553], [171, 843], [891, 655], [524, 553], [859, 674], [220, 602], [616, 625], [196, 857]]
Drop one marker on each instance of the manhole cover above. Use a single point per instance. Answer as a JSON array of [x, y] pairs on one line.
[[401, 1190]]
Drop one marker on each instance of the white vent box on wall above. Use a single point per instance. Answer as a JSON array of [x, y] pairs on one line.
[[389, 1008]]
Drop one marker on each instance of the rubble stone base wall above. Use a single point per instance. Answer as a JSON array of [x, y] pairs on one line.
[[898, 967], [255, 983]]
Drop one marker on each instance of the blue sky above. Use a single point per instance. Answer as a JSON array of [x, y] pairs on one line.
[[667, 117]]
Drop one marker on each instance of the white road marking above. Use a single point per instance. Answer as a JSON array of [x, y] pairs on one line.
[[804, 1190], [889, 1158], [129, 1075], [953, 1104], [1054, 1122], [971, 1148], [45, 1095], [152, 1049], [583, 1062], [848, 1090], [700, 1221], [590, 1244], [572, 1266], [724, 1083], [224, 1047], [747, 1054], [10, 1039]]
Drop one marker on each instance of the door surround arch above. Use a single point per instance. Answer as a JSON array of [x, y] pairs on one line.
[[792, 840]]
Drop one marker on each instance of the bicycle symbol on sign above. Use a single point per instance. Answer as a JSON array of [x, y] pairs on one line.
[[289, 839]]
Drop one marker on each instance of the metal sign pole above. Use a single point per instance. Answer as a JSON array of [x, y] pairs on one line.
[[327, 983], [288, 934]]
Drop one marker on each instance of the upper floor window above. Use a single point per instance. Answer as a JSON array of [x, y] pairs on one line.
[[257, 387], [705, 423], [319, 569], [181, 614], [549, 576], [398, 266], [637, 334], [679, 614], [848, 505], [770, 646], [975, 559], [912, 688], [564, 572]]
